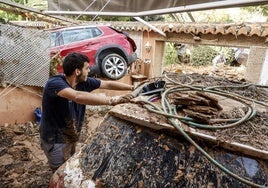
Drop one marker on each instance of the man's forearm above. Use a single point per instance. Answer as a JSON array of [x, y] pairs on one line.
[[113, 85]]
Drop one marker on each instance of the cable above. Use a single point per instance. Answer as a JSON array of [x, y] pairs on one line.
[[86, 9], [242, 86]]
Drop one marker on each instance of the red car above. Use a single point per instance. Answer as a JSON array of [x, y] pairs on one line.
[[110, 51]]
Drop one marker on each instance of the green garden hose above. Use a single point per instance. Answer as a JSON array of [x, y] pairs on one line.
[[171, 114]]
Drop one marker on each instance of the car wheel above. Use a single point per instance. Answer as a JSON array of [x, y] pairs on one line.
[[114, 66]]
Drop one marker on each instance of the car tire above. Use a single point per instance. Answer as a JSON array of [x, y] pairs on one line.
[[114, 66]]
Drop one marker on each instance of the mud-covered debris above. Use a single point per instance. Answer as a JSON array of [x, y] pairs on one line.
[[198, 105], [125, 157]]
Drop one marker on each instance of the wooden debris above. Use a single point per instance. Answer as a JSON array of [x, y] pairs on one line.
[[204, 109], [213, 101], [197, 105], [199, 117]]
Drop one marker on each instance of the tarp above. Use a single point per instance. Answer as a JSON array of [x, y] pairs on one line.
[[140, 7]]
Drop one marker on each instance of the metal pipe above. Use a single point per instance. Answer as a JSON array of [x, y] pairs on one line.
[[186, 8], [20, 6]]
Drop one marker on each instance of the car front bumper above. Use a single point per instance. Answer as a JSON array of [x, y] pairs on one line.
[[133, 57]]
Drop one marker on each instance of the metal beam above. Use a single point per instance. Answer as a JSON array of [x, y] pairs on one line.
[[191, 16], [175, 17], [186, 8]]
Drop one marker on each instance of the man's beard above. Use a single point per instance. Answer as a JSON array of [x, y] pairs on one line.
[[81, 77]]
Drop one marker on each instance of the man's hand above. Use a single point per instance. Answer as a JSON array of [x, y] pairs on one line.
[[137, 91], [122, 99]]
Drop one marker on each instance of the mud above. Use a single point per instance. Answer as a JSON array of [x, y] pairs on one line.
[[23, 164], [122, 154]]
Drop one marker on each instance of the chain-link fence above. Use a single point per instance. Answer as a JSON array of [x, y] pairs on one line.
[[24, 56]]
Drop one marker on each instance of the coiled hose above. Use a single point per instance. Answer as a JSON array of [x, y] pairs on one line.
[[173, 118]]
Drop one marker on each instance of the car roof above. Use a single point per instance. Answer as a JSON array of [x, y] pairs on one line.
[[77, 27]]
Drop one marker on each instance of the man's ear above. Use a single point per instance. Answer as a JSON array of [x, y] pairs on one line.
[[77, 72]]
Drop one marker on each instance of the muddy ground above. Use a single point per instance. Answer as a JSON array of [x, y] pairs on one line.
[[23, 164]]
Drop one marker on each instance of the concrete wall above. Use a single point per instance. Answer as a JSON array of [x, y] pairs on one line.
[[137, 37], [257, 65]]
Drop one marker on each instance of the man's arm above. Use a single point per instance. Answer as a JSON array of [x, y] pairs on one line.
[[113, 85], [82, 97]]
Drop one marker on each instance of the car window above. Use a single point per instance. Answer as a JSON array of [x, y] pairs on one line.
[[52, 39], [73, 35], [56, 39], [80, 34], [70, 36], [95, 31]]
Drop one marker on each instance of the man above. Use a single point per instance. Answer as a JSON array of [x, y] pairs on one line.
[[183, 53], [218, 59], [63, 107]]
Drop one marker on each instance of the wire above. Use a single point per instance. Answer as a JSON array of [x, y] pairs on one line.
[[101, 10], [85, 9], [220, 166], [30, 91], [203, 126]]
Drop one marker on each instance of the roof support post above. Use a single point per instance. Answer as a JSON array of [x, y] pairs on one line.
[[257, 65]]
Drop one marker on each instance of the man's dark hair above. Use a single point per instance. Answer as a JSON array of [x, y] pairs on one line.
[[73, 61]]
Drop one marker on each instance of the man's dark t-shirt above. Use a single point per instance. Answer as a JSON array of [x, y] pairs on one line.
[[62, 119]]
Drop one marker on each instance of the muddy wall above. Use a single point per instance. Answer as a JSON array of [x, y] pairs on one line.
[[17, 104]]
